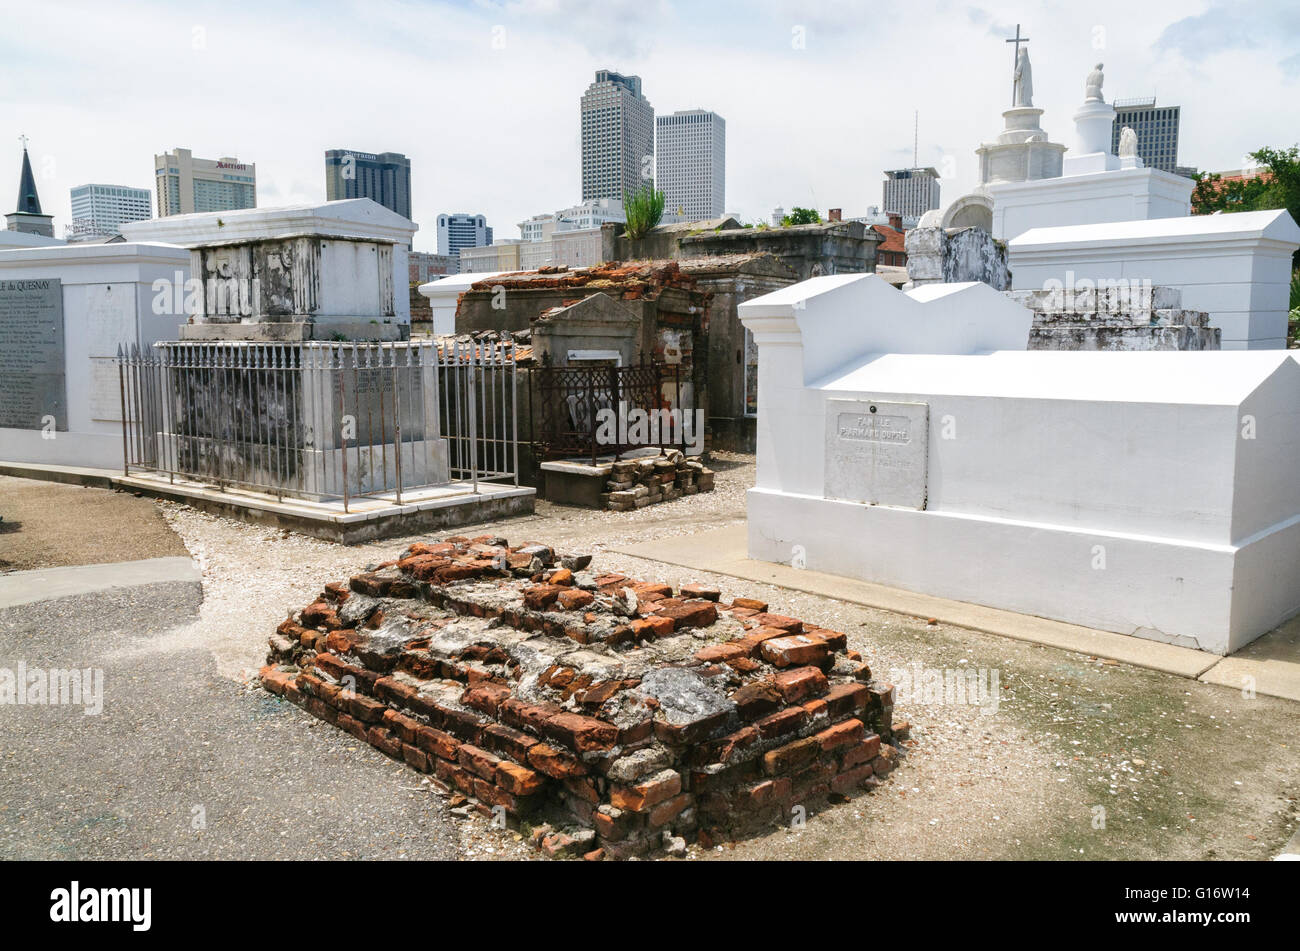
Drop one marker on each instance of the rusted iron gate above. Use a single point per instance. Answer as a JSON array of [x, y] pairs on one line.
[[583, 410], [318, 420], [479, 409]]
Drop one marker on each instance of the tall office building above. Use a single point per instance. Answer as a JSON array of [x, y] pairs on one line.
[[384, 177], [690, 164], [187, 184], [462, 231], [1156, 128], [618, 136], [910, 192], [101, 210]]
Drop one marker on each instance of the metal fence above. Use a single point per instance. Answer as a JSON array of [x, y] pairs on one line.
[[479, 403], [320, 420], [584, 410]]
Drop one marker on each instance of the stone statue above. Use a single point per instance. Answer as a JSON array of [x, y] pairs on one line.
[[1128, 143], [1023, 94], [1095, 79]]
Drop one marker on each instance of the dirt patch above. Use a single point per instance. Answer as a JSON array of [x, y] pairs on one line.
[[52, 525]]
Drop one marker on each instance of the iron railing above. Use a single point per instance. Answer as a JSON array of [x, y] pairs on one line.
[[586, 410], [479, 403], [319, 420]]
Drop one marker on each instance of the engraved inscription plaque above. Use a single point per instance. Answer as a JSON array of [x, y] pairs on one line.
[[33, 383], [877, 452]]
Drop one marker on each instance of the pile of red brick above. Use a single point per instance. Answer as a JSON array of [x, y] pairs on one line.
[[636, 483], [617, 716]]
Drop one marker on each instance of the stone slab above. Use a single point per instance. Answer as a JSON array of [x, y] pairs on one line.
[[877, 452], [33, 378], [369, 518]]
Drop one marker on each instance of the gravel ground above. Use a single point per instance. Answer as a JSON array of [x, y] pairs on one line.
[[183, 763], [1082, 758]]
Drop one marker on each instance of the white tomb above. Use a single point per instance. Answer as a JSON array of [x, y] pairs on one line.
[[351, 222], [1077, 198], [1236, 267], [910, 440], [444, 296], [64, 311], [1093, 185]]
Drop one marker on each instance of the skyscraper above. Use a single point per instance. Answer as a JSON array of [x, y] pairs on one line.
[[100, 210], [690, 164], [187, 184], [618, 136], [462, 231], [384, 177], [1156, 128], [910, 192], [26, 216]]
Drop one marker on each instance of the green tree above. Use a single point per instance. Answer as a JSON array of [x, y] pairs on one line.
[[1276, 186], [644, 210], [801, 216], [1213, 194], [1282, 186]]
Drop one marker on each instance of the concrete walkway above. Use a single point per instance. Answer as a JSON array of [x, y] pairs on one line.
[[46, 584], [179, 762], [1270, 666]]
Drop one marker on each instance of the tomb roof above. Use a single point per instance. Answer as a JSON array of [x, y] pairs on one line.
[[1207, 378]]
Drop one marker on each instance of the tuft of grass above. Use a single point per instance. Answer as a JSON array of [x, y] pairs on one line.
[[644, 210]]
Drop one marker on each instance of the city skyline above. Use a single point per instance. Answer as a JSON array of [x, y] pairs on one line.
[[800, 64]]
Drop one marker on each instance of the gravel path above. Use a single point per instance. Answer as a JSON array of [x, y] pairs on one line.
[[1082, 758]]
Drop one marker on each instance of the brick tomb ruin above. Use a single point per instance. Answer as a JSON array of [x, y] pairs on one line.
[[617, 717]]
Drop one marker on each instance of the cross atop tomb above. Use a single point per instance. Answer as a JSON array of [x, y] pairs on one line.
[[1015, 59]]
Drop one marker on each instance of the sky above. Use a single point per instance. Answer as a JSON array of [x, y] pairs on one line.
[[483, 95]]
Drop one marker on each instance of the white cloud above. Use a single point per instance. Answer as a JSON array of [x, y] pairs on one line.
[[483, 96]]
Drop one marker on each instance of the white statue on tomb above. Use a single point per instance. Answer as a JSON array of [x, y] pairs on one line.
[[1095, 79], [1128, 143], [1024, 81]]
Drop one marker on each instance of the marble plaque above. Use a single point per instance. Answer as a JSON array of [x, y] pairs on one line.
[[33, 381], [877, 452], [105, 390]]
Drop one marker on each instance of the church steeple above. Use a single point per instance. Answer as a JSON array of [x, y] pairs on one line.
[[27, 217], [29, 203]]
